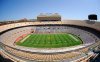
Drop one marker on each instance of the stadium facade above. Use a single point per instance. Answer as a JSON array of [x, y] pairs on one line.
[[88, 32]]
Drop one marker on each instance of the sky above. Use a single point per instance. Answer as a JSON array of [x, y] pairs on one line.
[[68, 9]]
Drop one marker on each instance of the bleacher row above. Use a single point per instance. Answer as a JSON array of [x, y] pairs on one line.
[[44, 57], [13, 25], [10, 37]]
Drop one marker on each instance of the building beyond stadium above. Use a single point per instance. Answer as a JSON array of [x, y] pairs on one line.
[[14, 31], [49, 17]]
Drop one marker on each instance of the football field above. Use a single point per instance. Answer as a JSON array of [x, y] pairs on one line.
[[49, 40]]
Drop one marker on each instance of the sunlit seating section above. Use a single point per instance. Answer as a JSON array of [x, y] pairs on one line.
[[42, 57]]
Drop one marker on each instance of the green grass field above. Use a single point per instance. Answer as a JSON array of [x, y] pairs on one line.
[[49, 40]]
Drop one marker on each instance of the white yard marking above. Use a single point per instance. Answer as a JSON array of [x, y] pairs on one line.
[[73, 37], [24, 38]]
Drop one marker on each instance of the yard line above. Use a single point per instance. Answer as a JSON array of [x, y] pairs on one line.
[[24, 38], [73, 37]]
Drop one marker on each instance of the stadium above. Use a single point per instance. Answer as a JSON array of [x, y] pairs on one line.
[[50, 39]]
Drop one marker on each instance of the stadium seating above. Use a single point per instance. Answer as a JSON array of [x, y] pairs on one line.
[[14, 34], [11, 36], [42, 57]]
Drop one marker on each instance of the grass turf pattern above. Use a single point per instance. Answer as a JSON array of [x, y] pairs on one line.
[[50, 40]]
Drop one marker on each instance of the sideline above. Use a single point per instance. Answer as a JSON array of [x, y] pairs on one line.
[[24, 38]]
